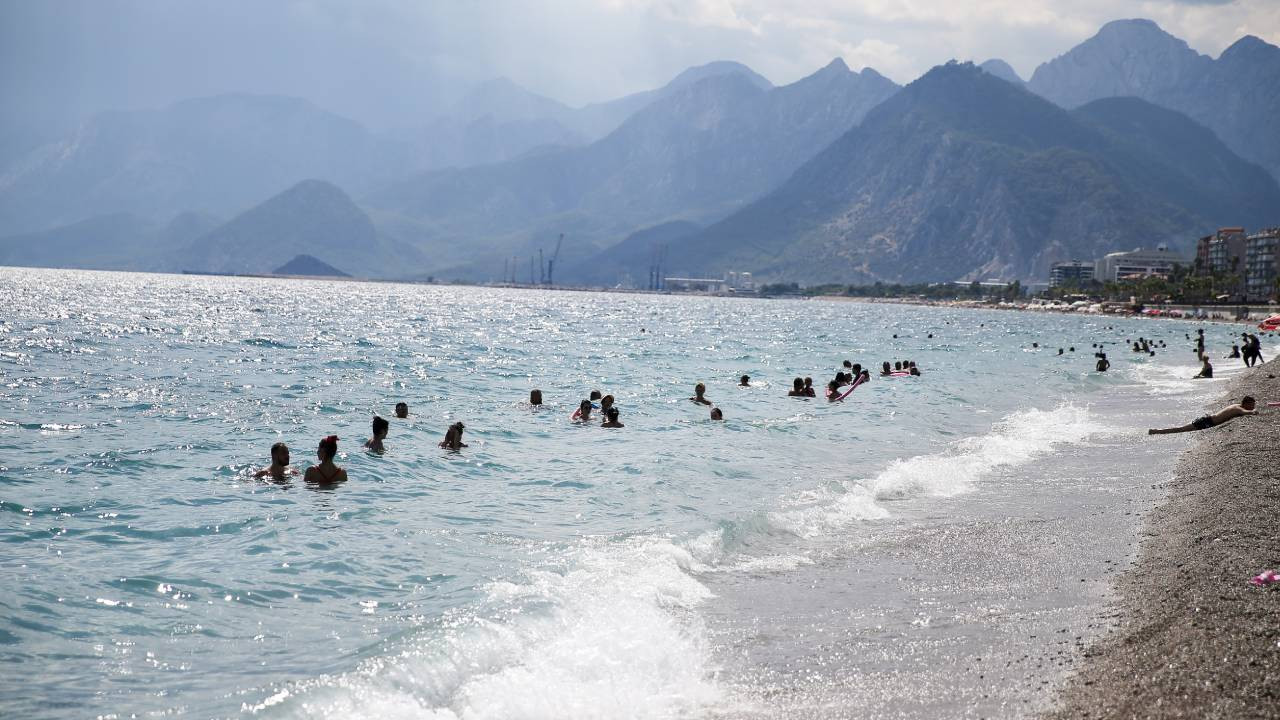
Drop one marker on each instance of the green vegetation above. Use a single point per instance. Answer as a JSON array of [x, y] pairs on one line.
[[927, 291]]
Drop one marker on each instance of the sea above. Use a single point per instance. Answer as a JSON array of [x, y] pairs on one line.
[[932, 546]]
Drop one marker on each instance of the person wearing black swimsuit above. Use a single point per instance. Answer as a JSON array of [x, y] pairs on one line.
[[326, 473]]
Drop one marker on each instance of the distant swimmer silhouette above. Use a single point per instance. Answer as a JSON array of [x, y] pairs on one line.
[[1228, 413], [279, 468], [535, 398], [611, 419], [699, 392], [402, 410], [380, 429], [326, 473]]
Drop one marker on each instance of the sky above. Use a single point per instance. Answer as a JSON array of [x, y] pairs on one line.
[[390, 63]]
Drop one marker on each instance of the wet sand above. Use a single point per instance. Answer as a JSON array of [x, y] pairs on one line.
[[1191, 637]]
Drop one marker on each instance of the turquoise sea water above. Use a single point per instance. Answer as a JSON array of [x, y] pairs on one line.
[[548, 570]]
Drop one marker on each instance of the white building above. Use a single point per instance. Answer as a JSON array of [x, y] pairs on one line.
[[1138, 263]]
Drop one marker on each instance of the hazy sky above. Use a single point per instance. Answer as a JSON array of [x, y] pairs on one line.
[[384, 60]]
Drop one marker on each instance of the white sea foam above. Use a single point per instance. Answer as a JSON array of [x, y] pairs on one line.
[[1015, 440], [610, 635]]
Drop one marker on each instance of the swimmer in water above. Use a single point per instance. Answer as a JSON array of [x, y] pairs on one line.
[[884, 369], [797, 388], [699, 392], [402, 410], [595, 395], [453, 437], [611, 419], [1230, 412], [380, 428], [279, 468], [716, 414], [584, 411], [808, 388], [1103, 363], [897, 366], [744, 381], [326, 473], [914, 370], [606, 404], [833, 388], [535, 398]]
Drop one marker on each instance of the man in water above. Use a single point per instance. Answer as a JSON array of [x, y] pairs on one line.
[[884, 369], [797, 388], [595, 395], [380, 428], [1103, 363], [699, 392], [914, 370], [535, 398], [279, 468], [1235, 352], [1206, 370], [611, 419], [744, 381], [808, 388], [402, 410], [453, 437], [716, 414], [1230, 412]]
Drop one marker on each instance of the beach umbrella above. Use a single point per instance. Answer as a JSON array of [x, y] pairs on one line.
[[1271, 324]]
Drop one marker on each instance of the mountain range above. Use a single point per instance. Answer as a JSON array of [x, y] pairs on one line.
[[1131, 138]]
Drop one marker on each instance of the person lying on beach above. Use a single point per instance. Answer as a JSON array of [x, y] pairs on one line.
[[716, 414], [535, 398], [584, 411], [1230, 412], [699, 392], [611, 419], [797, 388], [402, 410], [744, 381], [279, 468], [380, 428], [326, 473], [453, 437], [1206, 370]]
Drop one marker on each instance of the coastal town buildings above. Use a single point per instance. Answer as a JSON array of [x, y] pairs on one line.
[[1138, 263], [1260, 265], [1071, 273], [1222, 255]]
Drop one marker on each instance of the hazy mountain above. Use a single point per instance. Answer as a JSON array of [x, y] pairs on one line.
[[631, 261], [697, 154], [310, 267], [111, 242], [218, 154], [311, 218], [499, 120], [1002, 70], [1237, 96], [963, 175]]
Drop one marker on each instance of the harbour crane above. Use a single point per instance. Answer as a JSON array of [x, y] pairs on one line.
[[551, 264]]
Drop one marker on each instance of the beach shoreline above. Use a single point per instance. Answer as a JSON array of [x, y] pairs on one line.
[[1190, 637]]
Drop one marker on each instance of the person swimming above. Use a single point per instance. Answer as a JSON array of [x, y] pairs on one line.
[[914, 370], [1246, 406], [744, 381], [326, 473], [797, 388], [897, 366], [606, 404], [716, 414], [535, 398], [699, 392], [808, 388], [402, 410], [380, 429], [884, 369], [584, 411], [611, 419], [833, 388], [595, 396], [279, 468], [453, 437]]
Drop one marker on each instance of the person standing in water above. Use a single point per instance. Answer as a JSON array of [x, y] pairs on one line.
[[1103, 363], [808, 388], [611, 419], [699, 394], [884, 369], [797, 388], [606, 404], [1246, 406], [326, 473], [1206, 370], [584, 411], [535, 398], [380, 429], [453, 437], [279, 468]]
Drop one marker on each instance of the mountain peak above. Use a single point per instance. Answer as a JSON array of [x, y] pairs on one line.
[[836, 64], [1002, 70], [718, 67], [1251, 47]]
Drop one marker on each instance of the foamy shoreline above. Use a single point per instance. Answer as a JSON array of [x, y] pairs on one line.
[[1193, 638], [1027, 307]]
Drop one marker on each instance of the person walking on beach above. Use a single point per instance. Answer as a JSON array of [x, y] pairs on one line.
[[279, 468], [380, 428], [453, 437], [1256, 344], [699, 393], [326, 473], [1246, 406]]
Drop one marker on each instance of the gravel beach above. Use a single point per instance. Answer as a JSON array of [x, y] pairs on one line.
[[1193, 638]]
